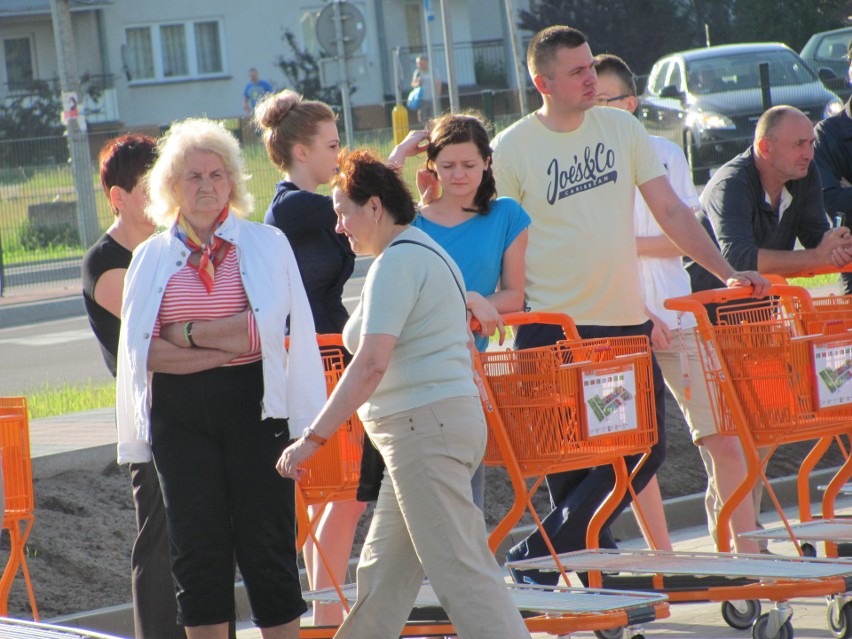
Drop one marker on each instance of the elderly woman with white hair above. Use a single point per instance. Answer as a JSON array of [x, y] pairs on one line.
[[205, 308]]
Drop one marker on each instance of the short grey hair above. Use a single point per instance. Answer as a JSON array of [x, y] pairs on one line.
[[768, 123], [183, 138]]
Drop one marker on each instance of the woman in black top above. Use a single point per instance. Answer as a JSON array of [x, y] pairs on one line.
[[123, 163], [301, 139]]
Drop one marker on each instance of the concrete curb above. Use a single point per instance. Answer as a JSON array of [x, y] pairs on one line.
[[42, 311]]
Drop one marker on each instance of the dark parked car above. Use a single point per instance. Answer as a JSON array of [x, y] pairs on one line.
[[827, 50], [709, 100]]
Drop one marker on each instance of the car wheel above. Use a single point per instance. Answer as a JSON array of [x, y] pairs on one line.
[[700, 175]]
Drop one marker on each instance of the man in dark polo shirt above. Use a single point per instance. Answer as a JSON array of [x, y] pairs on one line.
[[759, 203], [833, 159]]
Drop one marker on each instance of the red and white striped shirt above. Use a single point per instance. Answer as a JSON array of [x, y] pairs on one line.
[[186, 299]]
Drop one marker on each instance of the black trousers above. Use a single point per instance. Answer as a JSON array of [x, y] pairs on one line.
[[223, 496], [154, 606]]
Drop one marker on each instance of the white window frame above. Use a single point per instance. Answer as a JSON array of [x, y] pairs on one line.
[[191, 51]]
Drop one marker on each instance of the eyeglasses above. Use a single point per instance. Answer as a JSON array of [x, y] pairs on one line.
[[602, 101]]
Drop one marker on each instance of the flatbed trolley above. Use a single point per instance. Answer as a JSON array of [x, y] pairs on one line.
[[772, 380], [333, 472], [775, 370], [737, 580], [577, 404], [560, 611]]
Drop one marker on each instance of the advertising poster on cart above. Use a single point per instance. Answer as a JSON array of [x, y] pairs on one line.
[[833, 368], [609, 398]]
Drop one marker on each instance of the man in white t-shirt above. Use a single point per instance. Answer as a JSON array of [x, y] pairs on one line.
[[663, 276], [574, 168]]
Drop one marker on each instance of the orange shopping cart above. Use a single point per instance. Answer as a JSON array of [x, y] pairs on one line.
[[577, 404], [738, 581], [775, 372], [17, 486], [333, 472]]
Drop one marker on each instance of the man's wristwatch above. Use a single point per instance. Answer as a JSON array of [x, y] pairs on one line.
[[311, 436]]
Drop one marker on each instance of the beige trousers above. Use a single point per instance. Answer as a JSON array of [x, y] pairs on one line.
[[425, 522]]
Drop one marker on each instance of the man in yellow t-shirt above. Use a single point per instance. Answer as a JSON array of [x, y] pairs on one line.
[[574, 168]]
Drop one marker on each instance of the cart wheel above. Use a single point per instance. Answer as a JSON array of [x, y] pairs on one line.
[[808, 550], [839, 619], [612, 633], [758, 630], [741, 619]]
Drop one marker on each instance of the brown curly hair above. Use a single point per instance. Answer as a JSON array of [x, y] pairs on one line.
[[363, 175]]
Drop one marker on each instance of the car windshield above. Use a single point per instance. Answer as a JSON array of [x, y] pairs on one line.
[[739, 71]]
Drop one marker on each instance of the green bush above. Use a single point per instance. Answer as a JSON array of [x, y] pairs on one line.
[[33, 237]]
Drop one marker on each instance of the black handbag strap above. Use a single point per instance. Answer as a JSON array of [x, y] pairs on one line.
[[426, 246]]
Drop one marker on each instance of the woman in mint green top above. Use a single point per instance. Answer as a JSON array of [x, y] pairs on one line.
[[412, 383], [486, 237]]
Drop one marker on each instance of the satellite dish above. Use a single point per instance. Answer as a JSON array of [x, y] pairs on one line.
[[352, 23]]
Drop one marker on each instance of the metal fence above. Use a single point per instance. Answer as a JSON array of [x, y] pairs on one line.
[[39, 242]]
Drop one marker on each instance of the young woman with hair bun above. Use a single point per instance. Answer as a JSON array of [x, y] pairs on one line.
[[301, 139]]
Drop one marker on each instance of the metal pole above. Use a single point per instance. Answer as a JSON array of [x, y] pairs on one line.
[[520, 70], [396, 73], [427, 18], [78, 140], [450, 54], [344, 78]]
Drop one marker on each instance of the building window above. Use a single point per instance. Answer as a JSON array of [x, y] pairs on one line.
[[18, 55], [182, 50]]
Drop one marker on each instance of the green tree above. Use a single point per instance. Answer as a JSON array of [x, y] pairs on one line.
[[789, 21], [640, 31]]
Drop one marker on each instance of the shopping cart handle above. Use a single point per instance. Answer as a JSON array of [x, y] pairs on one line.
[[819, 270], [519, 319], [323, 339], [696, 301]]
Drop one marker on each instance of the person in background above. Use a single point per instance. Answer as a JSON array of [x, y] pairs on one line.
[[301, 139], [663, 276], [430, 82], [759, 203], [411, 381], [833, 159], [205, 311], [486, 236], [254, 91], [123, 163], [575, 169]]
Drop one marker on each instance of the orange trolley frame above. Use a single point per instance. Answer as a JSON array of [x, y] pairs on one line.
[[537, 422], [760, 375]]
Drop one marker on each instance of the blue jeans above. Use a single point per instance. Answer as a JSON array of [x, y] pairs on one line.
[[575, 495]]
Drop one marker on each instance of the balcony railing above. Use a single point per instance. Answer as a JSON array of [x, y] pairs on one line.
[[484, 64]]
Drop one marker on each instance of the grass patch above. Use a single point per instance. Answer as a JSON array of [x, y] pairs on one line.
[[827, 279], [50, 400]]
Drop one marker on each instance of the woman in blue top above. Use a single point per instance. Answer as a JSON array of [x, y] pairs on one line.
[[486, 237]]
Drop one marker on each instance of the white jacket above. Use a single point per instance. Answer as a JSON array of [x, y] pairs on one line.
[[294, 385]]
